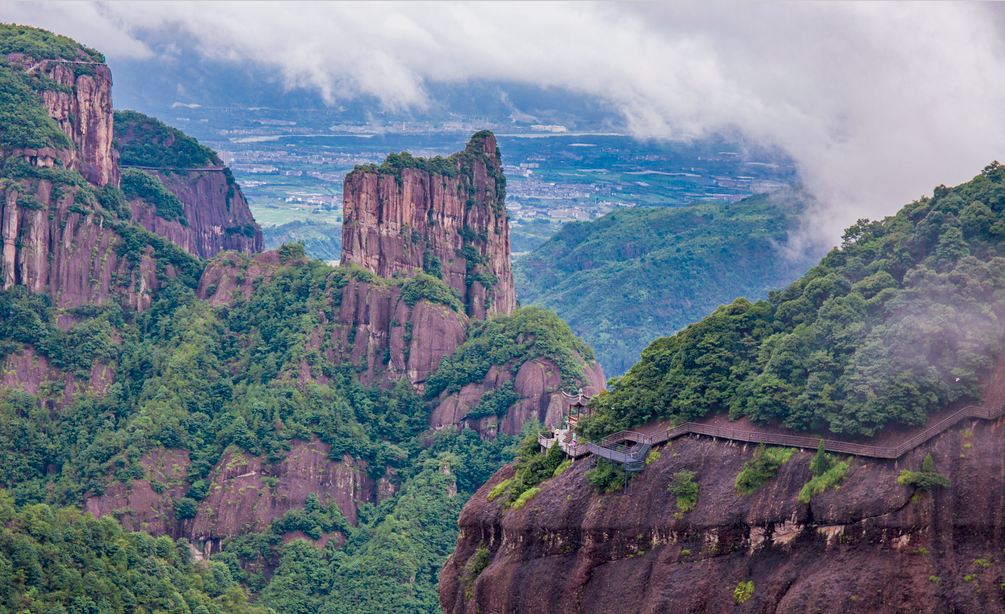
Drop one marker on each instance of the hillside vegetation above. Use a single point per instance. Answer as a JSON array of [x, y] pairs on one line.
[[320, 240], [146, 141], [207, 380], [901, 319], [638, 274]]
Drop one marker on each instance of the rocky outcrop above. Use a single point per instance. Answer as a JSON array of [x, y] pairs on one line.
[[371, 324], [412, 215], [84, 113], [52, 244], [217, 215], [872, 545], [538, 382], [246, 493]]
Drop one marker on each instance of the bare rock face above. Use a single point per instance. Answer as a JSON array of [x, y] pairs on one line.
[[55, 242], [412, 218], [53, 245], [538, 382], [872, 545], [218, 217], [246, 493], [371, 324], [84, 114]]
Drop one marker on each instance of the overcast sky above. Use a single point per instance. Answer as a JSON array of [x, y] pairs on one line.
[[876, 103]]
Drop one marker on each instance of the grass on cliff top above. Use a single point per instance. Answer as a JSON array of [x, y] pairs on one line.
[[146, 141], [902, 319], [43, 45]]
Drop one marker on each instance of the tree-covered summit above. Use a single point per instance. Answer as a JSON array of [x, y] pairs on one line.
[[146, 141], [43, 45], [903, 318]]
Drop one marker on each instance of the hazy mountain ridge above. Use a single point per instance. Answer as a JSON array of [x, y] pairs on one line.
[[638, 274]]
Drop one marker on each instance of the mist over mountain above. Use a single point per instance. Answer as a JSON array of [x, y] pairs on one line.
[[874, 102]]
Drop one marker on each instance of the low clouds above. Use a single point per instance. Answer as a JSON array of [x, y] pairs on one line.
[[876, 103]]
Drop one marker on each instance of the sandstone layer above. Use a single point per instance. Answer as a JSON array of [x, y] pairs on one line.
[[399, 220], [84, 114], [872, 545], [217, 215]]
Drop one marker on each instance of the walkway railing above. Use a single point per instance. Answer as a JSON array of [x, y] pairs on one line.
[[614, 447], [831, 445]]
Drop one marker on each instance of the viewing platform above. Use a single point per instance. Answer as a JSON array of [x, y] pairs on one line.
[[627, 448]]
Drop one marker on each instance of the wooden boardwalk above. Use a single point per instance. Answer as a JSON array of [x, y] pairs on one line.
[[831, 445], [170, 168]]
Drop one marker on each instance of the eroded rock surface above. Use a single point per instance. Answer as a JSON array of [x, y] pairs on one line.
[[399, 222], [870, 546]]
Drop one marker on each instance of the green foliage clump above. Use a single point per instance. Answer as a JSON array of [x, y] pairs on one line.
[[826, 474], [146, 141], [562, 468], [743, 592], [26, 123], [59, 560], [43, 45], [820, 483], [496, 402], [764, 466], [821, 462], [499, 489], [525, 496], [606, 477], [526, 334], [426, 287], [925, 480], [140, 184], [904, 317], [478, 563], [186, 508], [533, 467], [314, 520], [683, 486]]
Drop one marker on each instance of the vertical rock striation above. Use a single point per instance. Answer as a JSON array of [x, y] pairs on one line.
[[81, 103], [217, 215], [445, 217]]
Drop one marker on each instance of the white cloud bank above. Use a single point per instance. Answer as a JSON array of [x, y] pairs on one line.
[[876, 103]]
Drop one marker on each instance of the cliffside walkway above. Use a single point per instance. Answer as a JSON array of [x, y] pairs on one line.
[[627, 447], [61, 62], [171, 168], [831, 445]]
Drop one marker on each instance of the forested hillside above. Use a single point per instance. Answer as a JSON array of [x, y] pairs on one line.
[[235, 434], [638, 274], [906, 316]]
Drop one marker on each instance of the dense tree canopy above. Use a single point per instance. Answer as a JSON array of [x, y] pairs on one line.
[[901, 319]]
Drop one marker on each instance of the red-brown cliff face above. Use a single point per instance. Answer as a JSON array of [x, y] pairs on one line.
[[84, 113], [57, 239], [872, 545], [442, 216], [217, 215], [52, 244]]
